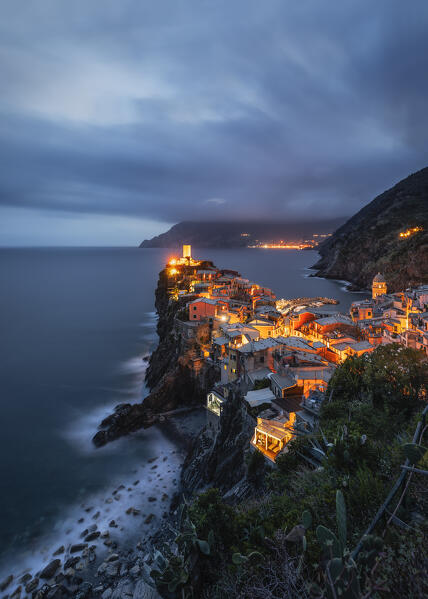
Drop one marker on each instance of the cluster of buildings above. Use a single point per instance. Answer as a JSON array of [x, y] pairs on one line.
[[281, 360], [400, 317]]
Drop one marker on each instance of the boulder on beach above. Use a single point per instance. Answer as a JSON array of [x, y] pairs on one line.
[[32, 585], [112, 569], [145, 591], [78, 547], [58, 591], [71, 562], [124, 590], [59, 550], [6, 582], [112, 558], [50, 570], [84, 592], [16, 593]]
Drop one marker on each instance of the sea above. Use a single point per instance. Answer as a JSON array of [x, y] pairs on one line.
[[77, 326]]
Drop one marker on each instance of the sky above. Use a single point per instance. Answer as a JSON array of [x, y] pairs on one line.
[[119, 118]]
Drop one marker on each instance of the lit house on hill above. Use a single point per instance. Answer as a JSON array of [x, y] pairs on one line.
[[271, 436]]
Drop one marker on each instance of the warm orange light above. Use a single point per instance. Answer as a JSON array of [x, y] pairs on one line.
[[172, 271], [173, 261], [283, 246], [409, 232]]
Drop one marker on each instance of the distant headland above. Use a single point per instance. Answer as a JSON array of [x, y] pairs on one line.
[[211, 234]]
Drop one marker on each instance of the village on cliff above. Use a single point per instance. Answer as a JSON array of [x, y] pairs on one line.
[[281, 354]]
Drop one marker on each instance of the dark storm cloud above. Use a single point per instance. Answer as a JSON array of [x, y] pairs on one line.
[[176, 110]]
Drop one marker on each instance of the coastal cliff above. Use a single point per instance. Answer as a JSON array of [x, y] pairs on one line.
[[217, 457], [370, 241], [177, 376]]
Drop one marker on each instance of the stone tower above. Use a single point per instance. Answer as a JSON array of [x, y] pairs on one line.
[[378, 286], [187, 251]]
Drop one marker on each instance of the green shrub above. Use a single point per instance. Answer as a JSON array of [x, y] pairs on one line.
[[261, 384], [209, 512]]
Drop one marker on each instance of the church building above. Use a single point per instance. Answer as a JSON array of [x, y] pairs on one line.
[[378, 286]]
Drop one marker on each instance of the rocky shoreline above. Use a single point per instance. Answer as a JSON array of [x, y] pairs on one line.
[[106, 559]]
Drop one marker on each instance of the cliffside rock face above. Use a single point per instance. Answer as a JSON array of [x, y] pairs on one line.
[[172, 377], [217, 456], [370, 241]]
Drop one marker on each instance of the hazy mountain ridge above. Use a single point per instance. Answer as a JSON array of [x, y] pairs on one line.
[[209, 234], [370, 242]]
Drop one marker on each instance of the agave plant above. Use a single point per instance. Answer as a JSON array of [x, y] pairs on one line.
[[341, 571]]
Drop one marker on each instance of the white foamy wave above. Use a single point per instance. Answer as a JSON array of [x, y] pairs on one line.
[[128, 501], [86, 422], [84, 426], [136, 366]]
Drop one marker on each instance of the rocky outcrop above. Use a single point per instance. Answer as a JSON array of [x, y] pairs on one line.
[[370, 241], [176, 377], [217, 457]]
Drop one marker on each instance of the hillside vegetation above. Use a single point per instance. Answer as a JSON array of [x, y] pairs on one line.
[[296, 535], [370, 241]]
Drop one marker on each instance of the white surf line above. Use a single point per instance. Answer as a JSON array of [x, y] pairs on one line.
[[135, 503]]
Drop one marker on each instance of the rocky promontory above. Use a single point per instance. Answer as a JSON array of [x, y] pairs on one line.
[[177, 376]]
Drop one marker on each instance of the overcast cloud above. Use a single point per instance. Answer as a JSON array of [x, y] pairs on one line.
[[121, 117]]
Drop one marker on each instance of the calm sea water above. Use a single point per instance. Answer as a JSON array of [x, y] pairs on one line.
[[75, 325]]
